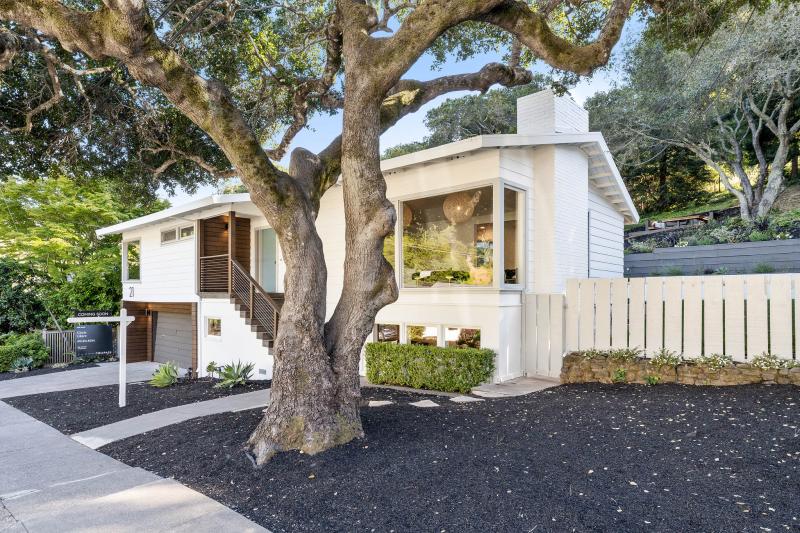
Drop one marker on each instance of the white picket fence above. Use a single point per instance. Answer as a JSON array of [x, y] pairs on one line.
[[740, 316]]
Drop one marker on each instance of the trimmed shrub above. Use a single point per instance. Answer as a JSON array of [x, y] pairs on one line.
[[15, 346], [428, 367]]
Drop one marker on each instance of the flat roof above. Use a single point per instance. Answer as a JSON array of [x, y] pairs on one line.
[[603, 173]]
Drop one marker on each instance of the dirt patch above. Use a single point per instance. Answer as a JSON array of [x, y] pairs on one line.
[[77, 410], [586, 457], [789, 199]]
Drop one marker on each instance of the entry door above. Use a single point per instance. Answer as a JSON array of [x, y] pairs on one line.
[[268, 259]]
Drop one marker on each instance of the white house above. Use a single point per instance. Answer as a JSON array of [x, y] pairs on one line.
[[481, 223]]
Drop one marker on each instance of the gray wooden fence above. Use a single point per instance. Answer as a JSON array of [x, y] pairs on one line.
[[738, 258], [60, 344]]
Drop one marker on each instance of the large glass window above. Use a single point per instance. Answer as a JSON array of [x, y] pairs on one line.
[[427, 335], [448, 239], [131, 257], [455, 337], [512, 231]]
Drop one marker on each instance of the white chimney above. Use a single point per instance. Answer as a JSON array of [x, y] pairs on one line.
[[544, 112]]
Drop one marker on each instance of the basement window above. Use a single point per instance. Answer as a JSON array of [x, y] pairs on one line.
[[387, 333], [213, 327]]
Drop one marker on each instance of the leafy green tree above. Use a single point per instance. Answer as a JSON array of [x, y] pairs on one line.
[[47, 227], [249, 73], [19, 298], [659, 176], [471, 115]]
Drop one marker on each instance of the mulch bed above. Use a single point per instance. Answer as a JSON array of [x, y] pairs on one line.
[[584, 457], [5, 376], [73, 411]]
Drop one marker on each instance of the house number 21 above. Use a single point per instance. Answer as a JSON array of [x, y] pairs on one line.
[[130, 291]]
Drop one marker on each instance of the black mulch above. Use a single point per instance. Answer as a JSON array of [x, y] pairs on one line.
[[573, 458], [5, 376], [73, 411]]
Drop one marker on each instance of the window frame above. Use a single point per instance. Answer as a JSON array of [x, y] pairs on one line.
[[177, 229], [444, 328], [125, 272], [206, 328], [398, 201], [522, 250]]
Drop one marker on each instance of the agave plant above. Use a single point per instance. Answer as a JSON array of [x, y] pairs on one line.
[[166, 375], [233, 375]]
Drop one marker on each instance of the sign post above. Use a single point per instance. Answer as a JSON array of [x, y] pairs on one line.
[[123, 319]]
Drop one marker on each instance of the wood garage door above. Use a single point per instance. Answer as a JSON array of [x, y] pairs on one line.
[[173, 339]]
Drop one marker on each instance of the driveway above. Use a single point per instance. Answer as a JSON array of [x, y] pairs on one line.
[[51, 483], [103, 374]]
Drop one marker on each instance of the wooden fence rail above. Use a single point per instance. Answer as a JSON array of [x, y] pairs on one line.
[[740, 316], [60, 344]]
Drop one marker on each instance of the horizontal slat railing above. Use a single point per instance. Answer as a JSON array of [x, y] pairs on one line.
[[214, 273]]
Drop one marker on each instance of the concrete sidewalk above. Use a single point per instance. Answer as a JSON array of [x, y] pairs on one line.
[[50, 483], [103, 374], [100, 436]]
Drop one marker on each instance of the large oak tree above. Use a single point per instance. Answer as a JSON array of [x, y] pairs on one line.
[[212, 82]]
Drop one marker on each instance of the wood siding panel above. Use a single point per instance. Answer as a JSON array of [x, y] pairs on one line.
[[780, 316], [692, 317], [713, 316]]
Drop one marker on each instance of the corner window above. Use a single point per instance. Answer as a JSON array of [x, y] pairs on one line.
[[455, 337], [387, 333], [425, 335], [448, 239], [169, 235], [213, 327], [131, 260], [513, 201]]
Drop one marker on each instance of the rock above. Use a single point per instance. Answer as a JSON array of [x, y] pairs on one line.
[[425, 403], [465, 399]]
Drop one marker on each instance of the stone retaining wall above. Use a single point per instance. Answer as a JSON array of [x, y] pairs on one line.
[[579, 369]]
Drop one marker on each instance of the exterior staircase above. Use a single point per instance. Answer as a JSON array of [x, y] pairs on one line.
[[258, 308]]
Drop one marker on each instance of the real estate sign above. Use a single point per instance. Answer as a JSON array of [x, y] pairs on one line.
[[93, 339]]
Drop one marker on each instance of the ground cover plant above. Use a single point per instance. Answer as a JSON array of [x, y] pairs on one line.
[[77, 410], [577, 457]]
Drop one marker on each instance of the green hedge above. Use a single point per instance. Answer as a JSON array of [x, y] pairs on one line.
[[15, 345], [428, 367]]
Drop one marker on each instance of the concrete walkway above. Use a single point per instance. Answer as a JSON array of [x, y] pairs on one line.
[[103, 374], [50, 483], [100, 436], [515, 387]]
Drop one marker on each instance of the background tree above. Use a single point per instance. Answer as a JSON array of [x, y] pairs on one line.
[[249, 72], [468, 116], [658, 175], [732, 103], [19, 298], [47, 237]]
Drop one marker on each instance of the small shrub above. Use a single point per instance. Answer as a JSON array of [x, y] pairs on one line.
[[758, 236], [642, 247], [22, 364], [593, 353], [212, 368], [767, 361], [714, 361], [620, 376], [763, 268], [166, 375], [234, 375], [14, 346], [664, 357], [652, 380], [673, 271], [428, 367], [721, 271], [625, 354]]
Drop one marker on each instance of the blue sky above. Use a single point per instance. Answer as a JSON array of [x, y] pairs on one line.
[[323, 129]]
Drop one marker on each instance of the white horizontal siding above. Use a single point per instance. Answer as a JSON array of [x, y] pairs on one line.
[[606, 238]]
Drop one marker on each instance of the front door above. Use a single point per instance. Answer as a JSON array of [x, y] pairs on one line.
[[268, 259]]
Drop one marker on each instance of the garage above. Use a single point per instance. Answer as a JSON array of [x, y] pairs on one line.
[[173, 338]]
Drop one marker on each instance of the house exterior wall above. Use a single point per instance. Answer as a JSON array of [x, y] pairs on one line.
[[237, 342], [606, 237], [167, 272]]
